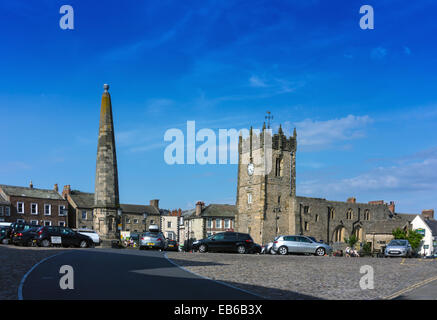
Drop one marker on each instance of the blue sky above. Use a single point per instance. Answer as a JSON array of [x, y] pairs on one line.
[[364, 101]]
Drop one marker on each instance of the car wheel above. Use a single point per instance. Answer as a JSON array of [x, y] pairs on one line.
[[83, 244], [320, 252], [5, 241], [283, 250], [202, 248], [141, 248], [241, 249], [45, 243]]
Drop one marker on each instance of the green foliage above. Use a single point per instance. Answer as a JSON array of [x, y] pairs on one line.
[[399, 234], [351, 241], [413, 237], [367, 248]]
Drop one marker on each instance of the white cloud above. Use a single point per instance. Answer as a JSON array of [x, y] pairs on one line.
[[417, 174], [378, 53], [325, 133], [256, 82]]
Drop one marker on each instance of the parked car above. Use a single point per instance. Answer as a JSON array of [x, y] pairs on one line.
[[227, 242], [152, 240], [25, 237], [92, 234], [66, 237], [398, 248], [19, 227], [5, 235], [172, 245], [299, 244]]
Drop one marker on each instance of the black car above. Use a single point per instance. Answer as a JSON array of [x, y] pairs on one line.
[[18, 227], [47, 236], [26, 236], [5, 235], [172, 245], [227, 242]]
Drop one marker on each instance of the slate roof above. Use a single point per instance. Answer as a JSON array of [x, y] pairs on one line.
[[3, 200], [215, 210], [386, 226], [432, 224], [82, 199], [86, 200], [139, 209], [31, 192]]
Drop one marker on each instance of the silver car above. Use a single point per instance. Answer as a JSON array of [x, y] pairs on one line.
[[398, 248], [300, 244], [152, 240]]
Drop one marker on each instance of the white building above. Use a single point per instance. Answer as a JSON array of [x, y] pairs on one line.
[[428, 228]]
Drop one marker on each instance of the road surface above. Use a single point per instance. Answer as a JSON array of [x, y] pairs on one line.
[[122, 274]]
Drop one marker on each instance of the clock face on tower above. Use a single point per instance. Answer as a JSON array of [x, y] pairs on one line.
[[250, 169]]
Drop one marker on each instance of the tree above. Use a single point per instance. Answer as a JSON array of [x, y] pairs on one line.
[[413, 237], [351, 241], [399, 233]]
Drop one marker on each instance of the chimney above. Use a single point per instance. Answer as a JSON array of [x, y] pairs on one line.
[[179, 212], [155, 203], [66, 191], [199, 207], [391, 207], [56, 187], [428, 214], [377, 202], [351, 200], [31, 184]]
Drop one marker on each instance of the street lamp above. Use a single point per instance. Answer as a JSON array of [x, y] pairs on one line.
[[145, 221]]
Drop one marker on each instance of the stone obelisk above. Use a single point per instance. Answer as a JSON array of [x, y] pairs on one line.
[[106, 197]]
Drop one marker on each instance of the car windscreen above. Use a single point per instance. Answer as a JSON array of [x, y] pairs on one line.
[[398, 243], [152, 234]]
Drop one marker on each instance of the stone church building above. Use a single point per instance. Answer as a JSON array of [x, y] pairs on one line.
[[268, 205]]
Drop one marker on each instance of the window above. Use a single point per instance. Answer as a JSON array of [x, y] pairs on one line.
[[1, 211], [152, 221], [219, 236], [47, 223], [127, 220], [307, 226], [349, 214], [366, 214], [279, 199], [20, 207], [8, 211], [62, 211], [62, 223], [227, 223], [317, 217], [168, 224], [83, 214], [20, 220], [34, 222], [332, 213], [209, 223], [218, 223], [306, 209], [47, 209], [278, 167], [249, 198], [135, 221], [34, 208], [181, 221]]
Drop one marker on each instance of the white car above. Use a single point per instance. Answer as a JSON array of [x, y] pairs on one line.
[[92, 234]]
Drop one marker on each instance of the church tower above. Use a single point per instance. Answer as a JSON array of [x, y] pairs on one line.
[[266, 184], [106, 197]]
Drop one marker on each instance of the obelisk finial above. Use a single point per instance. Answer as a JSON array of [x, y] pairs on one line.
[[106, 87]]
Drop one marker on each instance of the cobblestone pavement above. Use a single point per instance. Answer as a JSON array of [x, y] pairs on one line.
[[15, 262], [307, 277]]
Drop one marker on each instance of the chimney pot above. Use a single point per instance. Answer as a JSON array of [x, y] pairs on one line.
[[31, 184], [56, 187], [155, 203]]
